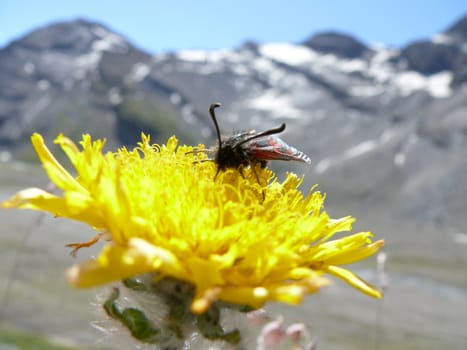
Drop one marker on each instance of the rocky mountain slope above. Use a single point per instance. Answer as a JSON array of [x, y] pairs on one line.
[[383, 126]]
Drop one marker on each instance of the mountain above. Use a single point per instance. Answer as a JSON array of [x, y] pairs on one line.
[[80, 77], [384, 126]]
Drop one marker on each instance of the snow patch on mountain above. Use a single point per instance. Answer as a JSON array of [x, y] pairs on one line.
[[138, 72], [108, 41], [437, 85], [442, 39], [276, 105], [363, 148], [203, 55], [288, 53], [369, 90], [380, 71]]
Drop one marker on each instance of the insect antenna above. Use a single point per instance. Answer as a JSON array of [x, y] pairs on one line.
[[205, 150], [212, 107], [273, 131], [214, 120]]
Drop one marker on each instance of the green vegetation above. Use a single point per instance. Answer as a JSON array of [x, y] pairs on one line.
[[141, 112], [136, 115], [26, 341]]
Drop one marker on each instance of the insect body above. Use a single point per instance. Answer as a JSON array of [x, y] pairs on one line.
[[252, 147]]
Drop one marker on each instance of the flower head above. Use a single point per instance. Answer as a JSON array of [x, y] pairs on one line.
[[233, 238]]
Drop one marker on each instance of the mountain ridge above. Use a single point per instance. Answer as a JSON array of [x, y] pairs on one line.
[[375, 120]]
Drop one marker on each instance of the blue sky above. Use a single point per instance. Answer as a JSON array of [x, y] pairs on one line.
[[159, 26]]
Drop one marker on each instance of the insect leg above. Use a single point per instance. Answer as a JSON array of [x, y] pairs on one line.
[[78, 246], [203, 150], [253, 167]]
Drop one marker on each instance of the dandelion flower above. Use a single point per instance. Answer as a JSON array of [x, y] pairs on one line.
[[233, 238]]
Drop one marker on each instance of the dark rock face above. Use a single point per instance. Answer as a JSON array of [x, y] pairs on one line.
[[336, 43], [458, 31], [429, 58], [447, 53]]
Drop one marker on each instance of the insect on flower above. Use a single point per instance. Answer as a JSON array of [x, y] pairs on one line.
[[250, 147]]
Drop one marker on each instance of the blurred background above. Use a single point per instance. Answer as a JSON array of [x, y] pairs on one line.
[[374, 92]]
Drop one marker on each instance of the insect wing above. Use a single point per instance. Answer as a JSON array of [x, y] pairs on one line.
[[273, 148], [243, 135]]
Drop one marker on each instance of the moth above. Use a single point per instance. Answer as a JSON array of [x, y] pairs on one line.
[[248, 148]]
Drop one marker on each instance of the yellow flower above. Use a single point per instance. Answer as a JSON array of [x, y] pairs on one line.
[[234, 238]]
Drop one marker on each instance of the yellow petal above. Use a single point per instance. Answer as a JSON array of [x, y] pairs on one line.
[[119, 262], [355, 281], [35, 198], [57, 174], [350, 256]]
